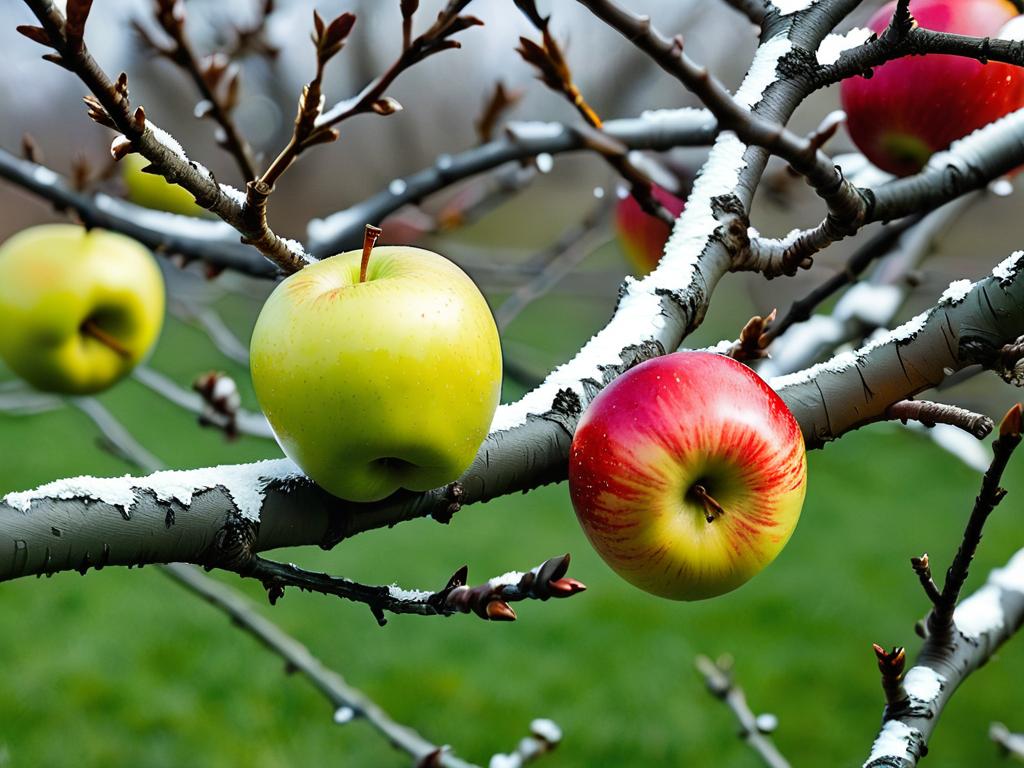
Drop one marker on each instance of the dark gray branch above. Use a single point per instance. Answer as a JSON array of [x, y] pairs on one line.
[[201, 515]]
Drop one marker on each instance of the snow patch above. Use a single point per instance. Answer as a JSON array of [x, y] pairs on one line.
[[408, 595], [763, 70], [846, 360], [893, 741], [44, 175], [981, 613], [956, 292], [245, 483], [786, 7], [833, 46], [923, 684], [237, 195], [1007, 269], [171, 223], [546, 729], [1011, 576], [163, 137]]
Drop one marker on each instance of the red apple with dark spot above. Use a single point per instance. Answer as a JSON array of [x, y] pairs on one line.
[[688, 474], [643, 236], [914, 106]]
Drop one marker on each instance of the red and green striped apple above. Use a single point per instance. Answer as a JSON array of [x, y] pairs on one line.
[[688, 474], [641, 235], [914, 106]]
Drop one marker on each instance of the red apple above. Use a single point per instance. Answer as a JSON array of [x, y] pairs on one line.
[[687, 474], [643, 236], [917, 105]]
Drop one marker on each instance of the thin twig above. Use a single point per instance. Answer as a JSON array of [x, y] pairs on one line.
[[206, 76], [1011, 744], [718, 678], [348, 702], [556, 263], [488, 601], [940, 621], [929, 414], [245, 422], [120, 439], [109, 105]]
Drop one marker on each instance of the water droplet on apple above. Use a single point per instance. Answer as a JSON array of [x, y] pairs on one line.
[[397, 187]]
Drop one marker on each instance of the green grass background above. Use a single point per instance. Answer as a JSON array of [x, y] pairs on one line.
[[123, 668]]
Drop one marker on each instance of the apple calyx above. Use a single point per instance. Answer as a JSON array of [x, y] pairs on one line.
[[370, 236], [712, 509], [90, 328]]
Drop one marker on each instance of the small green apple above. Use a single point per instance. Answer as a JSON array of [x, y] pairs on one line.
[[154, 191], [376, 385], [78, 309]]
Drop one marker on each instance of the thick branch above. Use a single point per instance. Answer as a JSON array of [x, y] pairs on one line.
[[186, 515]]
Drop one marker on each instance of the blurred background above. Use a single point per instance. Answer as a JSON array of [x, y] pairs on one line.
[[125, 669]]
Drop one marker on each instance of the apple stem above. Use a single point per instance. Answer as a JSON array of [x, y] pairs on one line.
[[370, 236], [712, 509], [89, 328]]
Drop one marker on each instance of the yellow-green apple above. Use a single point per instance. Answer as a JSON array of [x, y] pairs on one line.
[[78, 309], [687, 474], [641, 235], [154, 191], [914, 106], [378, 384]]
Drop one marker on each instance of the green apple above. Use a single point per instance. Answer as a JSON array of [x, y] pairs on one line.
[[154, 191], [383, 384], [78, 309]]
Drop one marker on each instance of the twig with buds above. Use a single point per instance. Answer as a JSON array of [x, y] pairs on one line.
[[489, 600], [109, 105], [753, 339], [314, 126], [754, 729], [553, 70], [905, 37], [941, 620], [240, 421], [214, 76], [891, 665]]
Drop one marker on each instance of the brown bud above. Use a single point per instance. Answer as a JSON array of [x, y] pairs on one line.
[[499, 610], [1010, 426]]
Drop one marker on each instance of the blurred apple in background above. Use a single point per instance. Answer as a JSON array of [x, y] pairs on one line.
[[917, 105], [153, 191], [378, 385], [641, 235], [78, 309], [688, 474]]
